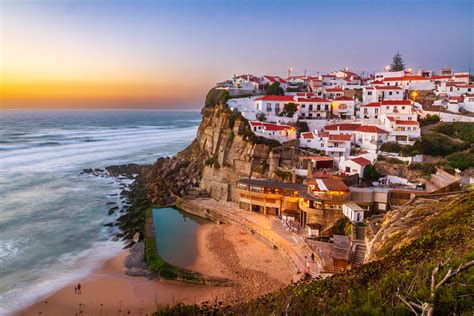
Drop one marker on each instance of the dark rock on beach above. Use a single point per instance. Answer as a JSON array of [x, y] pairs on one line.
[[113, 209]]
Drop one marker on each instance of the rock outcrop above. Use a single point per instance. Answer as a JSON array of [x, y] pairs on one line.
[[224, 151]]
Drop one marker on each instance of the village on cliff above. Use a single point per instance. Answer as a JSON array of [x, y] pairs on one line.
[[341, 121]]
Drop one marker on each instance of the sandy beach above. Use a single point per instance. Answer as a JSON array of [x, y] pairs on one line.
[[223, 250]]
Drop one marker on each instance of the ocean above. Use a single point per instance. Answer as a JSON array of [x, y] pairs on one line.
[[51, 215]]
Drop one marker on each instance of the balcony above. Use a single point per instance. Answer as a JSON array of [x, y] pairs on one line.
[[330, 197]]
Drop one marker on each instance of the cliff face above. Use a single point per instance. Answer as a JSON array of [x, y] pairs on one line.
[[222, 153]]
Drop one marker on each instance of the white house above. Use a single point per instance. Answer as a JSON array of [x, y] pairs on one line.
[[410, 82], [272, 105], [353, 212], [380, 93], [279, 132], [469, 102], [314, 108], [370, 137], [343, 107], [332, 93], [354, 165], [374, 110], [332, 145], [401, 131], [266, 80], [389, 74], [342, 129]]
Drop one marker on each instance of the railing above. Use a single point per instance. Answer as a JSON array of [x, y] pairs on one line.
[[328, 197]]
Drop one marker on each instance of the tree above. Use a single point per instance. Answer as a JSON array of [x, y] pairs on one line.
[[289, 109], [370, 173], [397, 63], [261, 117], [429, 120], [274, 89]]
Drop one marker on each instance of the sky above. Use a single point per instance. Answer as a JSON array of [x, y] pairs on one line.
[[168, 54]]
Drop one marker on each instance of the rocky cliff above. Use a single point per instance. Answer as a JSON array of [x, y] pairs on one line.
[[223, 151]]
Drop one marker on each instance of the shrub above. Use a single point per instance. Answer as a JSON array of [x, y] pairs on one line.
[[395, 161], [289, 109], [274, 89], [461, 160], [429, 120], [461, 130], [216, 96], [302, 126], [426, 168], [370, 173], [212, 161], [435, 144], [261, 117], [284, 175], [391, 147]]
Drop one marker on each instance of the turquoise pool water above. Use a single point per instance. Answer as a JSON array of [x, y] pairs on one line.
[[175, 233]]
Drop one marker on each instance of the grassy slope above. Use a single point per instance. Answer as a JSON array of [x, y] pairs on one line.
[[371, 289]]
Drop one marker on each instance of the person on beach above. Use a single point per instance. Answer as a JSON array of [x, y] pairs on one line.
[[312, 256], [75, 289], [78, 288]]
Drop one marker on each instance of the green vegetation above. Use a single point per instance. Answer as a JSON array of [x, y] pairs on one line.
[[391, 147], [461, 160], [376, 287], [302, 126], [397, 63], [426, 168], [435, 144], [247, 134], [370, 173], [463, 131], [284, 175], [261, 117], [213, 162], [215, 97], [289, 110], [274, 89], [429, 120]]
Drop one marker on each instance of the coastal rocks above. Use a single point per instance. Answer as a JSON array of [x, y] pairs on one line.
[[135, 264], [113, 209], [128, 170]]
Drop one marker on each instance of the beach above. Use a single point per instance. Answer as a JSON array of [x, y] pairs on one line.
[[223, 250]]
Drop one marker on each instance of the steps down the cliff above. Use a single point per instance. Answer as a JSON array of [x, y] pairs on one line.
[[359, 231], [359, 255]]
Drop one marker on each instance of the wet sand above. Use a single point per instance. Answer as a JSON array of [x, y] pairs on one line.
[[223, 250]]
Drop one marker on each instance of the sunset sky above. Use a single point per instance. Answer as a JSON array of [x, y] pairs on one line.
[[167, 54]]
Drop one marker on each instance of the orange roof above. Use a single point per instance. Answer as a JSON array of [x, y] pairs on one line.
[[270, 126], [361, 161], [334, 90], [343, 138], [313, 100], [307, 135], [396, 102], [341, 127], [376, 82], [391, 119], [401, 122], [371, 129], [461, 75], [276, 98], [406, 78], [373, 104], [343, 98], [323, 134], [388, 88]]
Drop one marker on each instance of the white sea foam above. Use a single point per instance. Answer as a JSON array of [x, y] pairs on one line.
[[9, 249], [71, 268]]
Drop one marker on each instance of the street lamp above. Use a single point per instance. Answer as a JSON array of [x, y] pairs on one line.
[[387, 68]]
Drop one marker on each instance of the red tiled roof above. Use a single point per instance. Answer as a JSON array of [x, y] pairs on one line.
[[276, 98], [376, 82], [307, 135], [401, 122], [461, 75], [406, 78], [388, 88], [342, 127], [270, 126], [371, 105], [391, 119], [396, 102], [334, 90], [343, 98], [323, 134], [371, 129], [313, 100], [361, 161], [344, 138], [441, 77]]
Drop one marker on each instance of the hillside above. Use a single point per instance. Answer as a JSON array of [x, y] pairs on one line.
[[414, 240]]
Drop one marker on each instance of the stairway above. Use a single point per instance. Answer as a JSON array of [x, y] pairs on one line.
[[358, 231], [359, 255]]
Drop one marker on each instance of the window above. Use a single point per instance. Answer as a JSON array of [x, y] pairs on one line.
[[327, 107], [369, 93], [310, 107], [318, 115], [387, 107], [277, 108], [303, 106], [390, 93], [348, 169], [403, 107], [269, 107], [318, 107]]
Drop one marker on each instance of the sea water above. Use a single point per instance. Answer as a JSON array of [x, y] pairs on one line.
[[51, 215]]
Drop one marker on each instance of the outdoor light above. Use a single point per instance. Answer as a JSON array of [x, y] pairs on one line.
[[387, 68]]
